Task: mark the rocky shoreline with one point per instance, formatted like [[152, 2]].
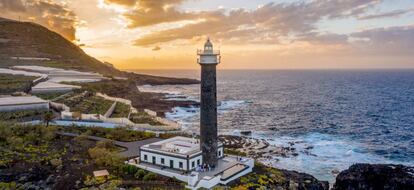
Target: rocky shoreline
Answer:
[[376, 176], [358, 176]]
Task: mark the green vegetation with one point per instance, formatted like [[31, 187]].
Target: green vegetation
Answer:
[[38, 152], [262, 177], [93, 105], [31, 144], [143, 117], [234, 152], [48, 117], [21, 115], [105, 157], [121, 110], [15, 83], [88, 103], [119, 134], [49, 96]]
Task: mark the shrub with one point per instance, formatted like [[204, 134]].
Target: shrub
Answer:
[[129, 169], [107, 144], [150, 176], [11, 185], [140, 174], [234, 152], [104, 157]]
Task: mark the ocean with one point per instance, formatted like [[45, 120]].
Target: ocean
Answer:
[[346, 116]]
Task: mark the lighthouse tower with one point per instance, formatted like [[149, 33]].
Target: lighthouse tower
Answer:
[[208, 59]]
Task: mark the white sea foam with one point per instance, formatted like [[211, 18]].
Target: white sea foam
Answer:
[[320, 154], [188, 117]]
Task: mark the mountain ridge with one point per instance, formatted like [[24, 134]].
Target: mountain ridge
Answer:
[[28, 39]]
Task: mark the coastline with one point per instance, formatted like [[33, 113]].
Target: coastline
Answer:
[[318, 154]]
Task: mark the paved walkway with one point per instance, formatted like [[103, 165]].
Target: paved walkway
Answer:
[[131, 148]]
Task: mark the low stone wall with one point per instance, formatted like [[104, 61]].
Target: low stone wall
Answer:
[[109, 112], [115, 99], [59, 107]]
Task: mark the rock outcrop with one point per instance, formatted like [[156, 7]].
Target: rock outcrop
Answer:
[[376, 177]]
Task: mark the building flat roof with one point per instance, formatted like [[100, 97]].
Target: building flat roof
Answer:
[[20, 100], [177, 145]]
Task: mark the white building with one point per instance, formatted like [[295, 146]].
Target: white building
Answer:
[[179, 153], [17, 103], [181, 158]]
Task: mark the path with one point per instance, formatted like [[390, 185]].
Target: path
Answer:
[[132, 148]]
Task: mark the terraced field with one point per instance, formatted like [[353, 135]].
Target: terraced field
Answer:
[[15, 83]]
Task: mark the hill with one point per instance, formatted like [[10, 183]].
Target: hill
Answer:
[[27, 39]]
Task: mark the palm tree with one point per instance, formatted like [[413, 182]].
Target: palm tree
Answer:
[[48, 117]]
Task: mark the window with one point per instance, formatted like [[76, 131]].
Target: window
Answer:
[[198, 162], [192, 164], [219, 153], [145, 157], [153, 159], [171, 163], [180, 164], [162, 160]]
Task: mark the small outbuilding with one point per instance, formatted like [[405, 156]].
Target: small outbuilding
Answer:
[[101, 173]]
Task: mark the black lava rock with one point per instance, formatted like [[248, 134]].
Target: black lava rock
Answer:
[[376, 177]]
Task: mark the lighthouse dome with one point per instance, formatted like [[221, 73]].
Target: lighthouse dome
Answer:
[[208, 45]]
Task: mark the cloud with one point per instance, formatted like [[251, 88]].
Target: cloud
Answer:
[[13, 5], [393, 40], [52, 15], [121, 2], [327, 39], [267, 24], [156, 48], [394, 13]]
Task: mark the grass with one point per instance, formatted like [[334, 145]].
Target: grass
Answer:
[[121, 110], [143, 117], [15, 83]]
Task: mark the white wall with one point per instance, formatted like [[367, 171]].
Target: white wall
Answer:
[[183, 178], [200, 157], [220, 152], [166, 160], [208, 59]]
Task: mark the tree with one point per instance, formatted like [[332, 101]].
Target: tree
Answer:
[[48, 117]]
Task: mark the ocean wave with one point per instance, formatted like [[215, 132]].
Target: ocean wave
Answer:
[[188, 117], [321, 155]]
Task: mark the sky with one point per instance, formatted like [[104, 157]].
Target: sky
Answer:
[[251, 34]]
